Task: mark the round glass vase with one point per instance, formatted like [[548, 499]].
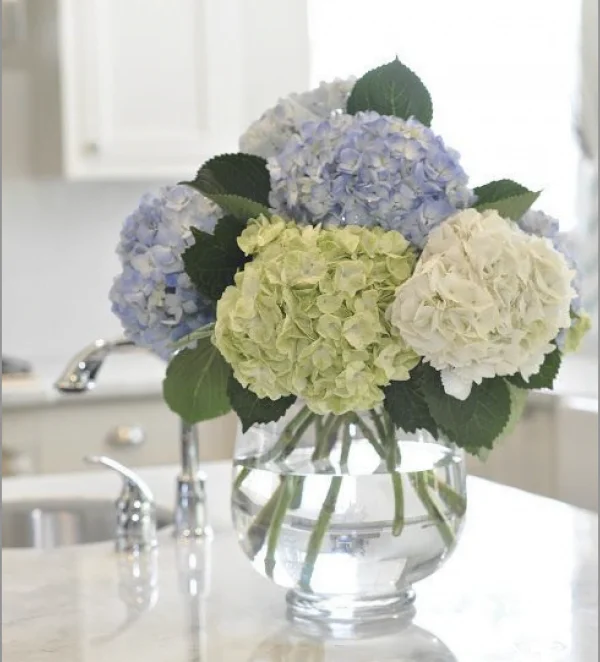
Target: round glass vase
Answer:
[[346, 511]]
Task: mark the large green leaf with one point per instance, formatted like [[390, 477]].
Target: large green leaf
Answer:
[[195, 386], [518, 402], [213, 260], [392, 89], [251, 409], [406, 404], [239, 174], [473, 423], [509, 199], [242, 208], [546, 375]]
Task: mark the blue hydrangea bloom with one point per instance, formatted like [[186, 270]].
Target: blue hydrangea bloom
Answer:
[[153, 296], [369, 169], [269, 134], [541, 224]]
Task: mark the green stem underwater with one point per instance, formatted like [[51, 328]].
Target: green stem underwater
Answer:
[[286, 495], [419, 482], [257, 531], [327, 509], [455, 502]]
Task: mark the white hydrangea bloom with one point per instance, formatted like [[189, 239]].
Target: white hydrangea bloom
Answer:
[[268, 135], [485, 299]]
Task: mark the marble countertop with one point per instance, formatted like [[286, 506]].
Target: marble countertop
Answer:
[[521, 587], [140, 374]]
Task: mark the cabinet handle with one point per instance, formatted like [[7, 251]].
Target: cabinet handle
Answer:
[[91, 148], [126, 435]]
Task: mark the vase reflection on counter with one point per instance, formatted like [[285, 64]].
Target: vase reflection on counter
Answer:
[[346, 512], [412, 643]]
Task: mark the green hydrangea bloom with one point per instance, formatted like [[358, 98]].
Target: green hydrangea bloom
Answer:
[[309, 314]]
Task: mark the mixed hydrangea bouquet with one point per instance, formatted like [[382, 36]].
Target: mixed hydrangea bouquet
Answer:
[[342, 259], [340, 274]]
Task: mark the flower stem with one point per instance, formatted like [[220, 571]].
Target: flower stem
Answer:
[[286, 438], [241, 477], [398, 488], [318, 532], [257, 531], [381, 431], [420, 481], [346, 443], [369, 436], [322, 431], [286, 495], [455, 501], [327, 509], [289, 437]]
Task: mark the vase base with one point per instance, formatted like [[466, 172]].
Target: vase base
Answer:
[[347, 616]]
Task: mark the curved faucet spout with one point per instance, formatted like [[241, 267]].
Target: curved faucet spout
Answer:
[[81, 371], [190, 517]]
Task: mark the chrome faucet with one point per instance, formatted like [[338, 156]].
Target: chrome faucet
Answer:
[[190, 511], [136, 511], [80, 374]]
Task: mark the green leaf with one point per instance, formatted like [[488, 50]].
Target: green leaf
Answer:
[[473, 423], [195, 386], [518, 402], [213, 260], [239, 174], [406, 405], [509, 199], [251, 409], [498, 190], [392, 89], [242, 208], [546, 375]]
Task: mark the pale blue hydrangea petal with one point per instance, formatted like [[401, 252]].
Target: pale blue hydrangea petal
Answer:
[[369, 170], [153, 296], [268, 135], [539, 223]]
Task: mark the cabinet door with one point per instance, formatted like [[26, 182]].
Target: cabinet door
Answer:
[[68, 432], [150, 88], [527, 458]]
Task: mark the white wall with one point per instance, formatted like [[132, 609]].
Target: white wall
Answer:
[[58, 246], [504, 97], [502, 77]]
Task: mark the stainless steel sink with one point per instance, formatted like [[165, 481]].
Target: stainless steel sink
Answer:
[[50, 523]]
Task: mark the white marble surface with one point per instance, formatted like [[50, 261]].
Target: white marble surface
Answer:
[[522, 587]]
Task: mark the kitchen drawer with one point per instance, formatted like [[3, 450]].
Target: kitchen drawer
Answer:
[[65, 433], [527, 459], [20, 438]]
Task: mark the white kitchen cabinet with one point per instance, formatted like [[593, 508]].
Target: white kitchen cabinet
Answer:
[[55, 437], [150, 89], [577, 475], [526, 459]]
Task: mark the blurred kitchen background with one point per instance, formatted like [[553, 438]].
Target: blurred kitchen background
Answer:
[[105, 99]]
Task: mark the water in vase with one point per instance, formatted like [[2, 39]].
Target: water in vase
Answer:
[[352, 526]]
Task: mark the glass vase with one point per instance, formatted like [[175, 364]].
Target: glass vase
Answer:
[[346, 511]]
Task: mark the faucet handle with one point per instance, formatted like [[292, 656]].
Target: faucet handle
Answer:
[[136, 510]]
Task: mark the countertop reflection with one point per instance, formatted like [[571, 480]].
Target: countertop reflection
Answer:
[[522, 587]]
